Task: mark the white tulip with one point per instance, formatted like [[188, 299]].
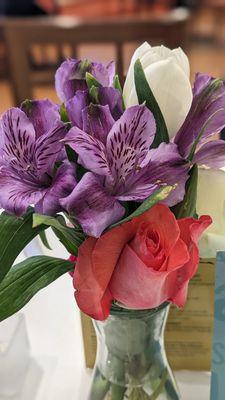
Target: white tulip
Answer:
[[211, 201], [167, 72]]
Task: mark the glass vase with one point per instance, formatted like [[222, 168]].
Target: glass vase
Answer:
[[131, 362]]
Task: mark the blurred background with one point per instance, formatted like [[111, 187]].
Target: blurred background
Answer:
[[36, 35]]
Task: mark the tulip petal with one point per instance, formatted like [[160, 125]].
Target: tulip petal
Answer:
[[138, 54], [172, 90]]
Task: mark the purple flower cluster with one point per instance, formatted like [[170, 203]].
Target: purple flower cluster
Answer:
[[112, 147]]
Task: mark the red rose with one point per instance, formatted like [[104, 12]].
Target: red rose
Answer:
[[141, 263]]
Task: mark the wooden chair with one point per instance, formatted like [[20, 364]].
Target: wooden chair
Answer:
[[22, 34], [3, 58]]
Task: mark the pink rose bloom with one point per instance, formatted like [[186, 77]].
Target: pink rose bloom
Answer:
[[141, 263]]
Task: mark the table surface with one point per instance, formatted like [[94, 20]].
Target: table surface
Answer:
[[57, 369]]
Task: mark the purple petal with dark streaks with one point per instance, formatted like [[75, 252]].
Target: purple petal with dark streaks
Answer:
[[48, 149], [206, 113], [129, 140], [43, 114], [18, 139], [62, 185], [97, 121], [169, 168], [92, 206], [157, 173], [211, 154], [91, 151], [16, 194]]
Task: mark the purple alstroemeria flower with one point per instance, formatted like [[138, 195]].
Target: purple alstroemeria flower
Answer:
[[30, 145], [70, 76], [206, 117], [95, 119], [122, 169]]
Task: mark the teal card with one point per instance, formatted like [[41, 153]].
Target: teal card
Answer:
[[218, 353]]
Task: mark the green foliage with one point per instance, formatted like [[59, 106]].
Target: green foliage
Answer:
[[71, 238], [152, 200], [63, 113], [15, 234], [44, 240], [26, 278], [145, 95], [187, 208], [117, 84], [92, 81]]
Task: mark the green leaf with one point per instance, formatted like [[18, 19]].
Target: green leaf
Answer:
[[187, 208], [155, 198], [92, 81], [117, 84], [44, 240], [93, 92], [63, 113], [117, 392], [26, 279], [145, 95], [71, 154], [15, 234], [71, 238]]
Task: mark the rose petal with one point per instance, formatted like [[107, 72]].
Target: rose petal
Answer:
[[137, 286], [191, 230], [89, 295]]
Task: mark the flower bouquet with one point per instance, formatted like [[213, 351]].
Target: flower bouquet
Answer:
[[113, 172]]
